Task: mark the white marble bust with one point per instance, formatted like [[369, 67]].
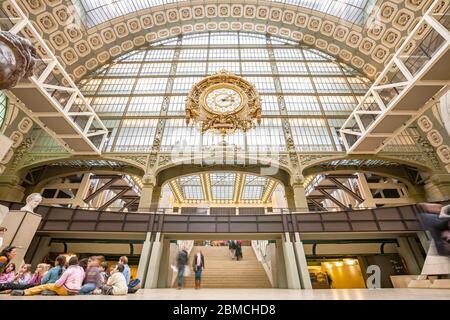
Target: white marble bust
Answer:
[[33, 200]]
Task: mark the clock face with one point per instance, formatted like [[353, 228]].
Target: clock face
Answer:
[[223, 100]]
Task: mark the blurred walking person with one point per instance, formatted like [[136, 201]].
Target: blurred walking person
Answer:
[[232, 247], [182, 261], [238, 250]]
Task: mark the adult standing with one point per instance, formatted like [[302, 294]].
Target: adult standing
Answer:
[[238, 250], [198, 264], [182, 261], [232, 248]]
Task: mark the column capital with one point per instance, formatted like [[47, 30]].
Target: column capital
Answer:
[[297, 180], [149, 179]]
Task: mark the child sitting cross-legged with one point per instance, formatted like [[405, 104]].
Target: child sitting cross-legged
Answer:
[[116, 284], [93, 278], [9, 274], [68, 284]]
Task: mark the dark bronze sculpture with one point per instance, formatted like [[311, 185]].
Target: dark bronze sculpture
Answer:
[[17, 59]]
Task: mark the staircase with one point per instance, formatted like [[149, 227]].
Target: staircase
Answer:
[[222, 272]]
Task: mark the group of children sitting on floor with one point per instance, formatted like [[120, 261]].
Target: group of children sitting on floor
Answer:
[[85, 276]]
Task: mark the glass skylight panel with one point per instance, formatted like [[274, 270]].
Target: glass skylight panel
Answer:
[[109, 105], [310, 135], [222, 185], [191, 68], [123, 69], [258, 67], [95, 12], [116, 86], [151, 85], [335, 105], [184, 84], [177, 105], [332, 85], [267, 136], [136, 135], [196, 39], [191, 187], [161, 68], [292, 67], [302, 105], [223, 54], [296, 85], [223, 38], [159, 55], [254, 54], [194, 54], [231, 66], [145, 106], [248, 38], [178, 136], [254, 187], [137, 55], [269, 105]]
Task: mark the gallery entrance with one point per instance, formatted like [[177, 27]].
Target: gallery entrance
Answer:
[[267, 261], [228, 264]]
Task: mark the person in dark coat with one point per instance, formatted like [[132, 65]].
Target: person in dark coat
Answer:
[[239, 250], [182, 261]]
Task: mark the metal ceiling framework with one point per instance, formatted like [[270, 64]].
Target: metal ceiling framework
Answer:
[[222, 187], [412, 81], [124, 187], [51, 98], [322, 187]]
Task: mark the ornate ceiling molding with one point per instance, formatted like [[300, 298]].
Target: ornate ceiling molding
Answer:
[[81, 51]]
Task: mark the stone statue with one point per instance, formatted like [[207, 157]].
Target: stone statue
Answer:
[[33, 200], [17, 59]]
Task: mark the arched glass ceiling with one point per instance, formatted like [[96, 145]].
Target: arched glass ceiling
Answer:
[[223, 187], [95, 12]]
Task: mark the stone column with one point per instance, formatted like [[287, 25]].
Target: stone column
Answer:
[[151, 281], [301, 263], [144, 258], [437, 187], [293, 280], [407, 254], [301, 204], [145, 203]]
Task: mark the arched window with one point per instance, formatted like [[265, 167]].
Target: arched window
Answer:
[[301, 88]]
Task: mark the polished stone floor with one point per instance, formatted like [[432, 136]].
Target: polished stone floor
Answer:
[[267, 294]]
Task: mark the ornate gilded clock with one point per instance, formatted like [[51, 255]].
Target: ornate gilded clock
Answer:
[[224, 103]]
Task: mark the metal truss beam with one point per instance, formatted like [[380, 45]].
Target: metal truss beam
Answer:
[[116, 197], [332, 199], [51, 98], [106, 186], [412, 81], [316, 203], [344, 188]]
